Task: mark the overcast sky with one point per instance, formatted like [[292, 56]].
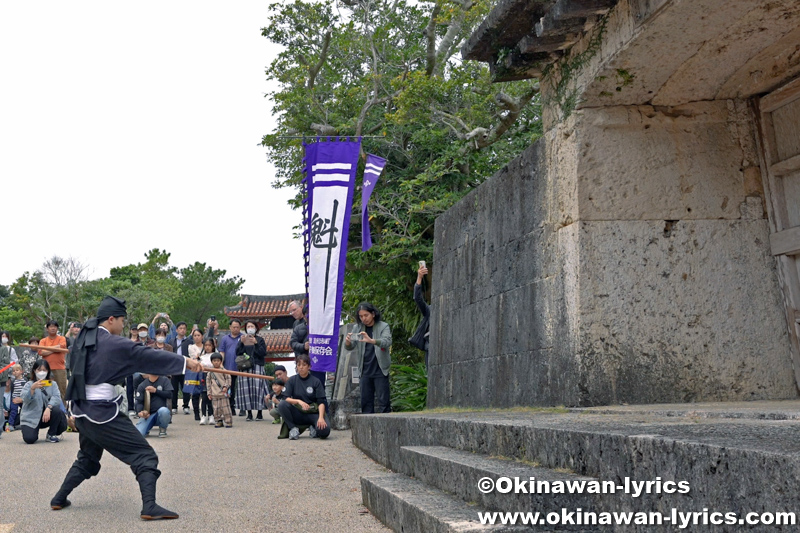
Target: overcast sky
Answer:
[[131, 126]]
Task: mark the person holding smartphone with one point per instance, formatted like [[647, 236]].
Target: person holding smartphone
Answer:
[[420, 339], [371, 339], [250, 392], [41, 405]]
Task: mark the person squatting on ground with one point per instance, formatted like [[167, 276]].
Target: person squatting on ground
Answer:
[[371, 339], [100, 360], [41, 406], [306, 402], [250, 392], [218, 387], [274, 399], [152, 397]]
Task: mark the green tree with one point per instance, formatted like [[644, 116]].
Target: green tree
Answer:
[[205, 291], [392, 68]]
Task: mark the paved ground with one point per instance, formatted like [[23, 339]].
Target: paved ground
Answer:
[[240, 479]]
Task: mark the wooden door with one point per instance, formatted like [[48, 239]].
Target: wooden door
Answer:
[[780, 146]]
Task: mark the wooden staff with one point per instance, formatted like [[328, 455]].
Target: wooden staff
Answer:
[[44, 348], [234, 373]]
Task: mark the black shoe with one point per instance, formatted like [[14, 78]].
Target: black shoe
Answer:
[[156, 512], [57, 504], [241, 412], [196, 416], [249, 418]]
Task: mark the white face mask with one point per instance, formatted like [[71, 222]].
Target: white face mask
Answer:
[[5, 340], [41, 375], [251, 331], [142, 334], [160, 340]]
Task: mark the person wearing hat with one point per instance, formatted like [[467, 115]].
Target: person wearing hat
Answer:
[[101, 359]]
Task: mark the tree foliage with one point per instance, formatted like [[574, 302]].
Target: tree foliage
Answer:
[[61, 290], [392, 68]]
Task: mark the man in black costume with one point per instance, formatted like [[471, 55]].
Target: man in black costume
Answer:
[[100, 360]]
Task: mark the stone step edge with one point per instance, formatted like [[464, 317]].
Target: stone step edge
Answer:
[[410, 506], [461, 472]]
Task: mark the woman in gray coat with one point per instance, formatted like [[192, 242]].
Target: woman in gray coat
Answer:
[[371, 339], [41, 406]]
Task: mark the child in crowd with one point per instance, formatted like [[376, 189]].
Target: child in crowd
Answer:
[[272, 400], [29, 357], [209, 348], [218, 387], [15, 386]]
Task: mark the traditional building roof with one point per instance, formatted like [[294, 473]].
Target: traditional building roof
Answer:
[[263, 307], [519, 38], [277, 340]]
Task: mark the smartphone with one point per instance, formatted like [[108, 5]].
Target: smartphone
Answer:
[[213, 318], [47, 382], [422, 264]]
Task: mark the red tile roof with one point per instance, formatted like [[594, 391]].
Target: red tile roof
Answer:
[[277, 340], [261, 307]]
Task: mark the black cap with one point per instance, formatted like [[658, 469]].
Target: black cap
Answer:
[[112, 306], [280, 367]]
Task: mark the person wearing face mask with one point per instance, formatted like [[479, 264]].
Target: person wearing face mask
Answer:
[[41, 406], [250, 392]]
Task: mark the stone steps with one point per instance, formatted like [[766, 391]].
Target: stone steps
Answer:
[[408, 505], [732, 464], [458, 473]]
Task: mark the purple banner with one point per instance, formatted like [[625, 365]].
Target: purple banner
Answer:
[[330, 178], [372, 171]]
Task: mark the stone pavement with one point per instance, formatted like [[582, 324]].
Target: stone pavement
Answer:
[[240, 479]]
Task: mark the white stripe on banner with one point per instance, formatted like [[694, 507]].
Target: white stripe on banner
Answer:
[[329, 177], [331, 166], [376, 172], [374, 167]]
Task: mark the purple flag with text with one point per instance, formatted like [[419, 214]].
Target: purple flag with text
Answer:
[[372, 171], [330, 169]]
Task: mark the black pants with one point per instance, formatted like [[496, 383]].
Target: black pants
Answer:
[[177, 385], [294, 417], [201, 404], [122, 440], [57, 425], [233, 394], [129, 392], [372, 387]]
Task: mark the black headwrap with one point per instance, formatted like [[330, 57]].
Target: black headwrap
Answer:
[[87, 342], [111, 306]]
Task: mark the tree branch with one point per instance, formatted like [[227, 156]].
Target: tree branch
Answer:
[[313, 71], [430, 34]]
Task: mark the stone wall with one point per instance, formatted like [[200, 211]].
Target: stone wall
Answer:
[[622, 258]]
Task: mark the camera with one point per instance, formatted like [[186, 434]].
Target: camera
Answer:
[[422, 264], [213, 318]]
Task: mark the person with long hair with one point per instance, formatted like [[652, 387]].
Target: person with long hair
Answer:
[[250, 392], [192, 383], [41, 405], [206, 408], [371, 339]]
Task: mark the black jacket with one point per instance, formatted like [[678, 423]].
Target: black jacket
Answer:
[[299, 337], [184, 344], [420, 338], [257, 352]]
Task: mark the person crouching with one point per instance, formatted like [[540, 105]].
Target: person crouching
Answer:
[[152, 396], [218, 386], [41, 406], [305, 403]]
